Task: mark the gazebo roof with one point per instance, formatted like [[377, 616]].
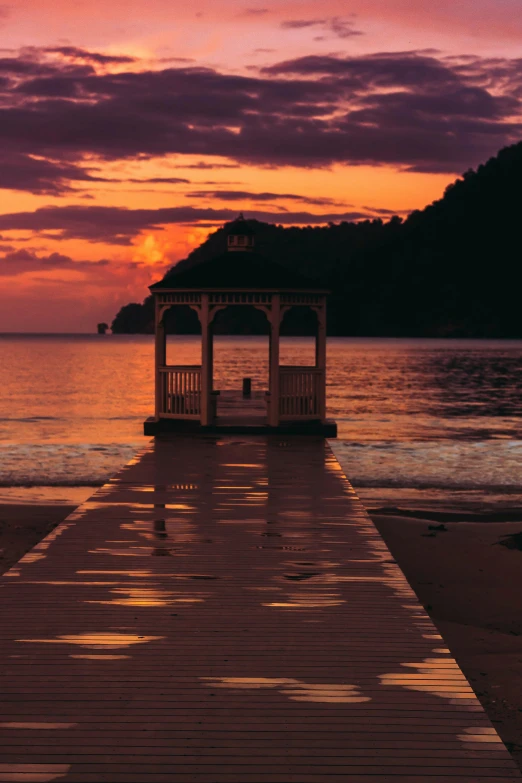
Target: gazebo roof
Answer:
[[239, 226], [241, 269]]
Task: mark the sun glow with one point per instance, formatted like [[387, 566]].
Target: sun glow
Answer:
[[196, 114], [151, 250]]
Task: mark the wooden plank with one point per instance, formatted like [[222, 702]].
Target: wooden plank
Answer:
[[224, 610]]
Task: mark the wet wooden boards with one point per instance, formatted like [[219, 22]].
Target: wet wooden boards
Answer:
[[224, 611]]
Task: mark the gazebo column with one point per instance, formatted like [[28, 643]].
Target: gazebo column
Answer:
[[320, 359], [206, 362], [160, 359], [275, 326]]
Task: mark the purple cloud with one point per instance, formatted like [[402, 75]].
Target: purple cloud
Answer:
[[414, 110], [335, 25], [383, 211], [20, 171], [299, 24], [203, 166], [18, 262], [244, 195], [75, 53], [118, 225], [158, 180]]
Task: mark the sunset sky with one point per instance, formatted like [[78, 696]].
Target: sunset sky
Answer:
[[129, 130]]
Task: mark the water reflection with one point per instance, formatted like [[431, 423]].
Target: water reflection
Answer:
[[149, 596], [36, 725], [134, 551], [477, 734], [98, 640], [393, 391], [308, 600], [101, 657], [437, 676], [114, 507], [39, 551], [177, 531], [130, 572], [295, 690], [433, 388]]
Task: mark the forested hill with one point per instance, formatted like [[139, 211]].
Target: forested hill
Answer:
[[452, 269]]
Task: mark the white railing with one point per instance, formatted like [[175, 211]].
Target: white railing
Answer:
[[301, 393], [180, 392]]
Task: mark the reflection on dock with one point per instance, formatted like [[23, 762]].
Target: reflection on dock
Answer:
[[261, 632]]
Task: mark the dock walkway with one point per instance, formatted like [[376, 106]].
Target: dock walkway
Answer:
[[224, 611]]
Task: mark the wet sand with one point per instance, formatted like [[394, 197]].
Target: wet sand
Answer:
[[470, 584], [23, 526]]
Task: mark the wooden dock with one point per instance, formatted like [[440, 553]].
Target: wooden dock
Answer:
[[224, 611]]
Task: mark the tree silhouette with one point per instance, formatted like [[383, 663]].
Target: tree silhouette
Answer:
[[450, 270]]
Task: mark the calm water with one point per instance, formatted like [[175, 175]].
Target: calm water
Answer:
[[421, 422]]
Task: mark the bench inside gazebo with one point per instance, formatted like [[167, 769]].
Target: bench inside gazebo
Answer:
[[295, 401]]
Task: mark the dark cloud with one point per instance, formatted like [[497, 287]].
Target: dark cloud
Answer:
[[18, 262], [383, 211], [175, 60], [256, 11], [414, 110], [159, 181], [117, 225], [243, 195], [415, 70], [39, 175], [31, 63], [75, 53], [342, 28], [203, 166], [335, 25], [47, 177], [203, 224], [299, 24]]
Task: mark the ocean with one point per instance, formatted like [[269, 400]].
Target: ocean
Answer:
[[422, 423]]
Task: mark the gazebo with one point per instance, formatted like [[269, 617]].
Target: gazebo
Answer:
[[185, 396]]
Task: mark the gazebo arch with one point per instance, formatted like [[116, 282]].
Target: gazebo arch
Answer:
[[185, 398]]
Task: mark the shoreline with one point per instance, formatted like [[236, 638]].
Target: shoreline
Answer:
[[22, 526], [465, 568], [468, 576]]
